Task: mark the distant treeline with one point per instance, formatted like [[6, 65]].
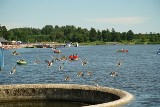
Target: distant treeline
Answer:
[[70, 33]]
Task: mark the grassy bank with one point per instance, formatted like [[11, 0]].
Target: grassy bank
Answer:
[[115, 43], [99, 43]]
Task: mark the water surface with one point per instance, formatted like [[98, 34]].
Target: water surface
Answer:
[[139, 73]]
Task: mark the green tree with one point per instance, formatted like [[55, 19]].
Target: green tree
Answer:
[[99, 36], [48, 29], [3, 31], [73, 34], [113, 33], [143, 39], [84, 33], [92, 35], [106, 35], [78, 38], [123, 36], [69, 29], [130, 35]]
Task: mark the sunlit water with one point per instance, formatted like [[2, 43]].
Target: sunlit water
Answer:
[[139, 73]]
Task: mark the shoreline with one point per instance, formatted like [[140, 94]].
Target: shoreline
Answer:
[[51, 45]]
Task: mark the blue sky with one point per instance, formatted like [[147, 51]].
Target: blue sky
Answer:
[[140, 16]]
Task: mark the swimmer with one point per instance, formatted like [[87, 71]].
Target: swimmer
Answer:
[[113, 74], [80, 74], [67, 78], [49, 63], [13, 70]]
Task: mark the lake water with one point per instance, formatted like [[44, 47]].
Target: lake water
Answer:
[[139, 73]]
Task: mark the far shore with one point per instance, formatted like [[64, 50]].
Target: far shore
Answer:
[[51, 44], [115, 43]]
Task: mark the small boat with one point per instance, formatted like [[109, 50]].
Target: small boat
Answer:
[[73, 57], [15, 53], [57, 51], [29, 46], [21, 62], [76, 45], [68, 44], [158, 52], [123, 50]]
